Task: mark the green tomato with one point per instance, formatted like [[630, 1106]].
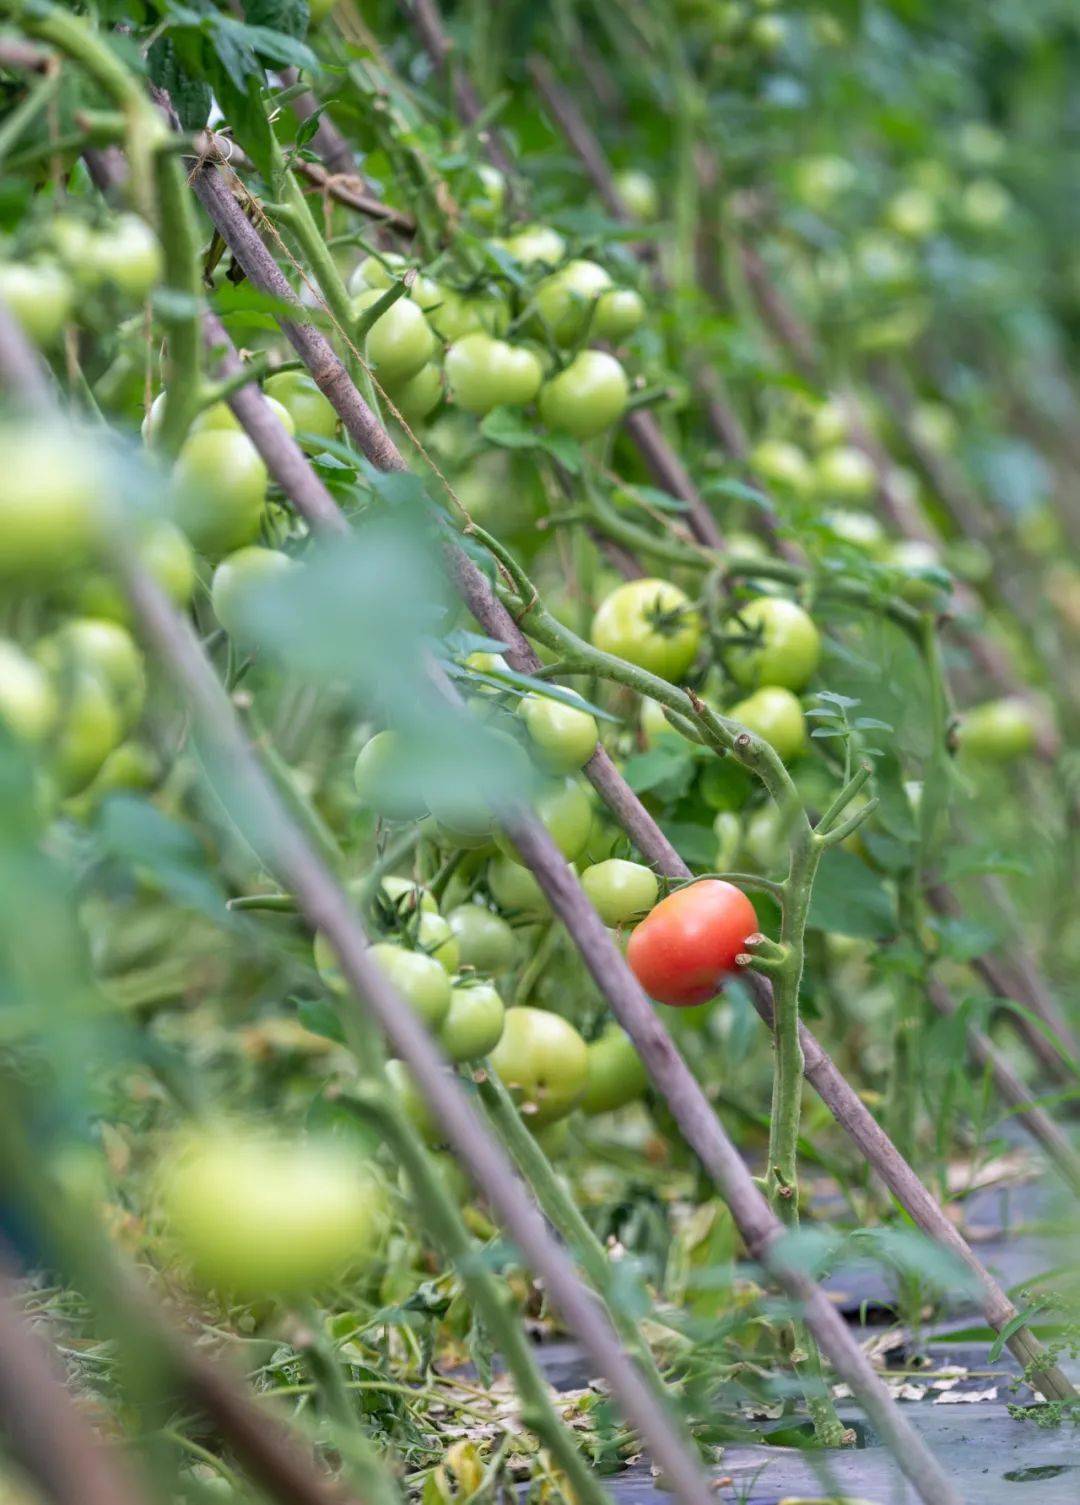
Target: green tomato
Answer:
[[405, 895], [780, 463], [912, 213], [311, 412], [50, 501], [485, 940], [998, 731], [536, 243], [564, 737], [650, 623], [566, 813], [727, 828], [486, 206], [454, 315], [789, 649], [774, 714], [763, 838], [132, 765], [28, 705], [514, 888], [566, 302], [39, 296], [434, 935], [620, 891], [820, 180], [616, 1073], [90, 727], [219, 491], [219, 415], [639, 194], [414, 1103], [128, 254], [163, 551], [587, 397], [262, 1215], [421, 980], [474, 1023], [543, 1061], [618, 313], [384, 782], [845, 473], [238, 589], [860, 529], [483, 373], [416, 398], [400, 341], [108, 650], [464, 812], [375, 271], [919, 564]]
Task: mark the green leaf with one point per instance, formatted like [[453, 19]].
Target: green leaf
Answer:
[[850, 899], [190, 95], [244, 107], [666, 761], [289, 16], [321, 1018], [510, 428]]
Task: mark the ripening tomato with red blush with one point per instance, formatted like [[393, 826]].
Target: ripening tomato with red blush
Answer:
[[685, 947]]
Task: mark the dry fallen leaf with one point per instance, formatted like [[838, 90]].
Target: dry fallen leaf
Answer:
[[965, 1397]]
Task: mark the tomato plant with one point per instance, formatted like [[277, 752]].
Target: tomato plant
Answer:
[[544, 1062]]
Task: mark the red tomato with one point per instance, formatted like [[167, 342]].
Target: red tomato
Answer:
[[682, 950]]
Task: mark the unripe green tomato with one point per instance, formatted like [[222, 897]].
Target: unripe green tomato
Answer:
[[778, 462], [618, 313], [474, 1022], [405, 895], [464, 811], [514, 888], [128, 254], [638, 193], [620, 891], [860, 529], [166, 555], [266, 1216], [416, 398], [51, 501], [650, 623], [108, 650], [454, 315], [219, 491], [400, 341], [543, 1061], [420, 979], [485, 940], [774, 714], [39, 296], [132, 765], [616, 1073], [918, 561], [763, 837], [219, 415], [434, 935], [375, 271], [845, 473], [89, 728], [587, 397], [239, 584], [564, 736], [565, 812], [414, 1103], [790, 646], [486, 206], [536, 243], [998, 731], [882, 260], [828, 424], [566, 301], [933, 424], [483, 373], [383, 781], [768, 32], [310, 411], [820, 180], [912, 213], [28, 705], [727, 828]]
